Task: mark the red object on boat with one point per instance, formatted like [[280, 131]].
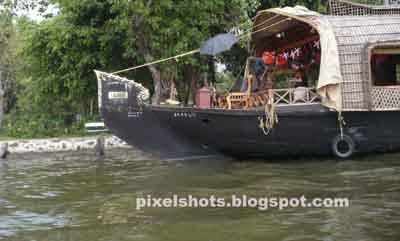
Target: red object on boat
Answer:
[[203, 98], [269, 58], [281, 60]]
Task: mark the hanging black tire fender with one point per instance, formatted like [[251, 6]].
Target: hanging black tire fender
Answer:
[[343, 146]]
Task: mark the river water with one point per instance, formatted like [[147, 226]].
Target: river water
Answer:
[[75, 196]]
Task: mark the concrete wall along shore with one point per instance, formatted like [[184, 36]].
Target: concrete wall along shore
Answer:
[[61, 144]]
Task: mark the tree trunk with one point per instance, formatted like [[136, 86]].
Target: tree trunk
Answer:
[[211, 71], [172, 91], [157, 84], [1, 98], [193, 85], [144, 49], [190, 77], [187, 81]]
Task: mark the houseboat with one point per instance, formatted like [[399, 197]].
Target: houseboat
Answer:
[[325, 85]]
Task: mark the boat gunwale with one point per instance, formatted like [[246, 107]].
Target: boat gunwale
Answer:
[[301, 108]]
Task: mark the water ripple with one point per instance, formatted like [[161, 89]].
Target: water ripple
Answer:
[[75, 196]]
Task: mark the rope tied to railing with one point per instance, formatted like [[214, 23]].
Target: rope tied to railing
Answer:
[[271, 116], [342, 123]]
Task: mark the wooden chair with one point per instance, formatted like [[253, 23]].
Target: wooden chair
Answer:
[[241, 99], [221, 101]]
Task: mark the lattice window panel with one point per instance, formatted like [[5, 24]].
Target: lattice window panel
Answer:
[[398, 74], [341, 8], [392, 2], [386, 98], [344, 8]]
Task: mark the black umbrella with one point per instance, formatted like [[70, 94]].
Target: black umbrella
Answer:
[[218, 44]]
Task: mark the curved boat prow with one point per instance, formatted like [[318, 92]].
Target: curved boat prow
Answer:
[[124, 106]]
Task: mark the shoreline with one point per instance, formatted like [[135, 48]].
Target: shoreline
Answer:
[[62, 144]]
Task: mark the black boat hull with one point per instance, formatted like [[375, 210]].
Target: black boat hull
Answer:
[[179, 132]]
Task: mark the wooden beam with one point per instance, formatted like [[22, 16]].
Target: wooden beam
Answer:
[[386, 51]]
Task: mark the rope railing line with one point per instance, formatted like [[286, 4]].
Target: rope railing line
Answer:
[[242, 24], [198, 50], [158, 61], [180, 55], [233, 29], [263, 29], [260, 24]]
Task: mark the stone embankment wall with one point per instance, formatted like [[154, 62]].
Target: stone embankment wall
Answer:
[[61, 144]]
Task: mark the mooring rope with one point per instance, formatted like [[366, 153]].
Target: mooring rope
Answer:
[[271, 118], [342, 123]]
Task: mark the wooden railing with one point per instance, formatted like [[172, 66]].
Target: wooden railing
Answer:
[[290, 96], [296, 95]]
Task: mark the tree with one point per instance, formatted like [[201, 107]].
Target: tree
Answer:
[[166, 28], [112, 35], [14, 6], [8, 46], [7, 37]]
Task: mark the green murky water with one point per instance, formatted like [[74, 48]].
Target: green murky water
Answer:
[[76, 197]]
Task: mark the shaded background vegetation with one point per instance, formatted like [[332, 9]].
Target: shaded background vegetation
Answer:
[[46, 67]]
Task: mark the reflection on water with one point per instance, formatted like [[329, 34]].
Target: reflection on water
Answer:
[[76, 197]]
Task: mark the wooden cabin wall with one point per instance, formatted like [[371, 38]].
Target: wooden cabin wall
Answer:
[[353, 34]]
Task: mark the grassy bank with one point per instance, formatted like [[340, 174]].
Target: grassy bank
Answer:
[[42, 126]]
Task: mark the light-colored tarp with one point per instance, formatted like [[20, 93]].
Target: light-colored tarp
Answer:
[[330, 77]]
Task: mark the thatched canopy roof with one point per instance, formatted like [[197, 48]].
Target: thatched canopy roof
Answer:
[[344, 42], [270, 22]]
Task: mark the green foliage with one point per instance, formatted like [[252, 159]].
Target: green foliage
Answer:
[[56, 57], [88, 35], [224, 81], [21, 125], [316, 5], [172, 27], [8, 44], [11, 8], [61, 53]]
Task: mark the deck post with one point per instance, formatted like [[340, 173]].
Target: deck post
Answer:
[[4, 150], [100, 146], [271, 97]]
